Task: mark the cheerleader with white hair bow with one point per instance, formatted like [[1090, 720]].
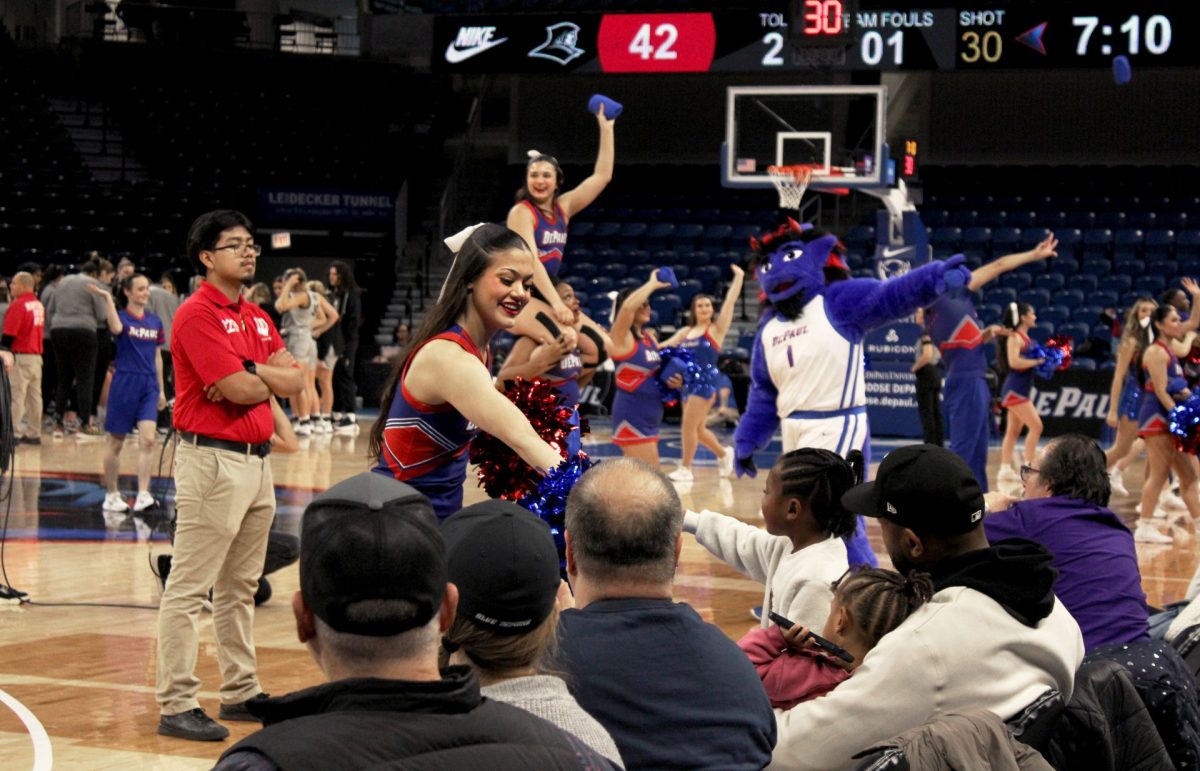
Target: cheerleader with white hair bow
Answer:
[[1017, 368], [540, 216], [440, 391]]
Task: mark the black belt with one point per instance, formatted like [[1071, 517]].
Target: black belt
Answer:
[[262, 449]]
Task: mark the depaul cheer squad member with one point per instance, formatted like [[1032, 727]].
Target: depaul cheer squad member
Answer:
[[229, 360], [441, 389]]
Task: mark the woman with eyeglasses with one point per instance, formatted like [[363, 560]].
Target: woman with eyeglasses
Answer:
[[1164, 386], [303, 310], [540, 216]]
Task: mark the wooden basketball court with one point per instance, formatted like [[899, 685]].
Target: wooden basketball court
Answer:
[[78, 673]]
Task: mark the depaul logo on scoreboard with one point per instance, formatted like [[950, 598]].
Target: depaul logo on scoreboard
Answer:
[[471, 41]]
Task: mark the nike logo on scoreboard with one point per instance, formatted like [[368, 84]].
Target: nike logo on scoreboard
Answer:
[[471, 41]]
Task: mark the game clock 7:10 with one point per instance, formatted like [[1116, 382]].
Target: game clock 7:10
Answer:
[[1151, 34]]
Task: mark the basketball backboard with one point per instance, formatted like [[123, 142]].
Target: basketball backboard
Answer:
[[838, 129]]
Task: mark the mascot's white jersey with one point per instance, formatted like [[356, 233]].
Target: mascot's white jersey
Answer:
[[813, 367]]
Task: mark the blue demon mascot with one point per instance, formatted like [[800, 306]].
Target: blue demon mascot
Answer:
[[806, 371]]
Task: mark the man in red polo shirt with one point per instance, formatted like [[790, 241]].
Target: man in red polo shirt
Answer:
[[24, 325], [229, 360]]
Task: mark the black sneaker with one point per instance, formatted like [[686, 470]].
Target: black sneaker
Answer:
[[264, 591], [239, 711], [30, 440], [194, 725]]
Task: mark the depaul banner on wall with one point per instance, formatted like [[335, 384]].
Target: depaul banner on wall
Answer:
[[325, 206], [1073, 401]]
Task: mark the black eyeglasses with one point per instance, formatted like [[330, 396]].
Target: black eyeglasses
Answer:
[[1027, 470], [238, 248]]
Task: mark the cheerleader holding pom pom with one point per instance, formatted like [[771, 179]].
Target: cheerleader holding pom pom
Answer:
[[441, 389]]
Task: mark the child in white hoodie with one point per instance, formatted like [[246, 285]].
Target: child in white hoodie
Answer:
[[801, 552]]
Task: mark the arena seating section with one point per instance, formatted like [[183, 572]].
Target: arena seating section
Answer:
[[209, 130]]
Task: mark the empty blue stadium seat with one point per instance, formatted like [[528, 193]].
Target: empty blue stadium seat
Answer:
[[1022, 219], [682, 271], [687, 236], [1110, 219], [1042, 332], [1033, 235], [1106, 297], [1100, 267], [1087, 314], [1158, 244], [1038, 296], [716, 237], [1146, 220], [1128, 299], [1101, 332], [631, 234], [992, 218], [1164, 268], [1069, 240], [580, 231], [1016, 280], [658, 235], [605, 235], [1085, 283], [979, 238], [1064, 266], [600, 284], [1068, 297], [629, 282], [582, 270], [947, 239], [614, 270], [1053, 219], [694, 259], [638, 258], [861, 237], [1187, 245], [1132, 268], [1053, 314], [1096, 243], [1082, 362], [667, 306], [708, 276], [999, 296], [1116, 283], [963, 218], [1149, 284], [689, 289], [1084, 220], [935, 218], [1175, 220], [741, 235], [1074, 330], [1005, 240], [1052, 282], [1127, 244], [988, 313]]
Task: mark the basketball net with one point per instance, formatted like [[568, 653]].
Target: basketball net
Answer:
[[790, 182]]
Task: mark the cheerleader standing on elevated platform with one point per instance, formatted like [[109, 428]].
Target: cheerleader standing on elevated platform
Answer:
[[441, 390]]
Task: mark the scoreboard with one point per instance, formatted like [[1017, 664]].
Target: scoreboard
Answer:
[[839, 35]]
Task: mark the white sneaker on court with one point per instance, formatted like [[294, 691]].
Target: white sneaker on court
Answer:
[[681, 474], [1146, 532], [1008, 480], [1171, 500], [114, 502], [144, 501], [1116, 480], [726, 462]]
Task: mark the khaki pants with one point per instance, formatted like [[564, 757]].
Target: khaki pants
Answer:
[[225, 503], [27, 395]]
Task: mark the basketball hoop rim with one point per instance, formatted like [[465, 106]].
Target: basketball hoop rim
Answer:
[[800, 172]]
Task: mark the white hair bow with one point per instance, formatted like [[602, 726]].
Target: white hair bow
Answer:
[[456, 241], [533, 153]]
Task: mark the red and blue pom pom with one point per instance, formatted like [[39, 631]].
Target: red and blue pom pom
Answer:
[[698, 377], [503, 474], [1184, 423], [1057, 355]]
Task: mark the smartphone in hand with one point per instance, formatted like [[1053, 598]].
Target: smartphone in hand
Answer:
[[818, 640]]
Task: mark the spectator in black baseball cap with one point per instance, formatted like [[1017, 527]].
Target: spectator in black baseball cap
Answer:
[[993, 636], [505, 564], [372, 605]]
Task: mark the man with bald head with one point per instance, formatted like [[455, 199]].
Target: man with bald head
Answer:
[[21, 338], [673, 691]]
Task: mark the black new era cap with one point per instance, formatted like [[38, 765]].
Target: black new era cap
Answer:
[[372, 538], [923, 487]]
